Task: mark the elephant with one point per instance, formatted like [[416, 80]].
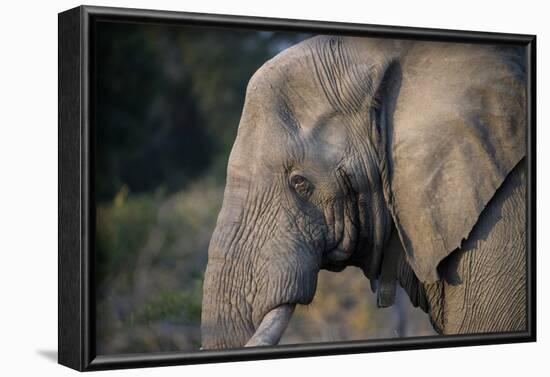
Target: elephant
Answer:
[[405, 159]]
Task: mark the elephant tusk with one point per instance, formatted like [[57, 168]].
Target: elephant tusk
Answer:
[[272, 327]]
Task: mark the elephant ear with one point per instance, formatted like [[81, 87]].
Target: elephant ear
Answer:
[[455, 129]]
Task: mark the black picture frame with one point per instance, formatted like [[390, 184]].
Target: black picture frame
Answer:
[[76, 188]]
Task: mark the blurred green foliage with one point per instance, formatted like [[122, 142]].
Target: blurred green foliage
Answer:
[[122, 227], [151, 252], [171, 306]]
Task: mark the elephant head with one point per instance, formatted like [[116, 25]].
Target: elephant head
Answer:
[[342, 140]]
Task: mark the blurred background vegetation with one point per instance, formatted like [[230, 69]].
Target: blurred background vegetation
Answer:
[[168, 102]]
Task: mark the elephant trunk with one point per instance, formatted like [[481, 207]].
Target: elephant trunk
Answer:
[[226, 314], [243, 306], [257, 272]]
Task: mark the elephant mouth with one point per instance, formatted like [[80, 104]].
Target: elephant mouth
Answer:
[[272, 326], [334, 266]]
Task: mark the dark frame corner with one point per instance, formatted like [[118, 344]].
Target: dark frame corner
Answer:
[[76, 208]]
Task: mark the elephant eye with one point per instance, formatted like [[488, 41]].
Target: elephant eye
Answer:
[[301, 185]]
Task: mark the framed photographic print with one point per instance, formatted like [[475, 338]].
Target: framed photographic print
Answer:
[[239, 188]]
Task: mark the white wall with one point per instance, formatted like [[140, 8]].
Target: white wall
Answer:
[[28, 171]]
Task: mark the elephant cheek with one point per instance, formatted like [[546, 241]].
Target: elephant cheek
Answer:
[[344, 220]]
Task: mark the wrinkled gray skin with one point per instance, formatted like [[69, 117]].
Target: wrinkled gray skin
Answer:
[[403, 159]]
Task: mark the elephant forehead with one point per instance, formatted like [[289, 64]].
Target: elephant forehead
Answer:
[[316, 74], [290, 81]]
